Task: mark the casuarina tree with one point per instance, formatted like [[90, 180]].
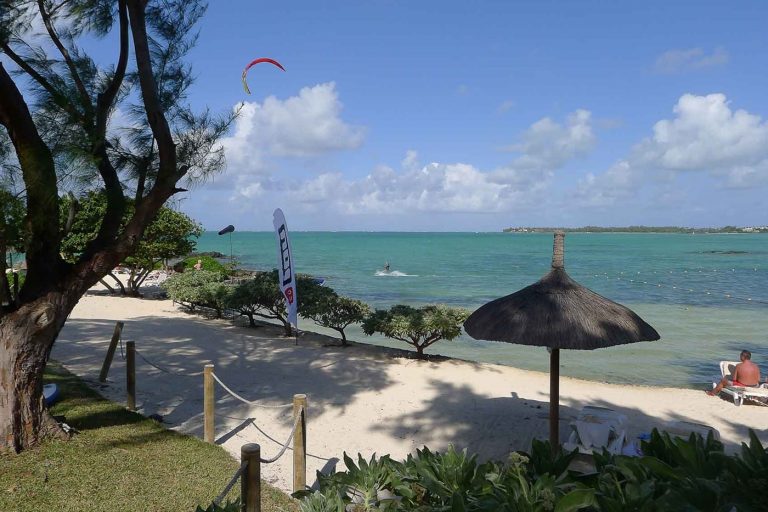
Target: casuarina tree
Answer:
[[62, 111]]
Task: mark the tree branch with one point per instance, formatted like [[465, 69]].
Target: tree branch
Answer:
[[167, 174], [40, 79], [85, 98], [106, 98], [39, 173]]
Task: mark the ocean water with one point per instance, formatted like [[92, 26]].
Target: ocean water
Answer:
[[706, 295]]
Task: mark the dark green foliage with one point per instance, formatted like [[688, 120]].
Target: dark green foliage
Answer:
[[674, 475], [171, 234], [198, 288], [261, 297], [334, 311], [420, 327], [206, 262]]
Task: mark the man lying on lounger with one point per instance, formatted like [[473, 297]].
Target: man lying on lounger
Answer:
[[746, 374]]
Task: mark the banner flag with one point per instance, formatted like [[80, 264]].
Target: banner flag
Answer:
[[285, 271]]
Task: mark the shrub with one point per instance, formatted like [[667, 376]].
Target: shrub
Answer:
[[207, 263], [420, 327], [675, 474], [336, 312], [260, 296], [193, 288]]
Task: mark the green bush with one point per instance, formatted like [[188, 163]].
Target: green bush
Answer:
[[207, 263], [334, 311], [419, 327], [261, 297], [674, 474], [195, 288]]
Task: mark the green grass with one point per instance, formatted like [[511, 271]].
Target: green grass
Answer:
[[120, 461]]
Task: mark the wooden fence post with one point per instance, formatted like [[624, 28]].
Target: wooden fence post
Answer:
[[300, 443], [250, 481], [208, 404], [130, 366], [111, 351]]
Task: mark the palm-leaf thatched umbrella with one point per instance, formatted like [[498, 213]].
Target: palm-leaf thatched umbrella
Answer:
[[559, 313]]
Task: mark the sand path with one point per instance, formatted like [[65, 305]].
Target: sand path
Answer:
[[361, 399]]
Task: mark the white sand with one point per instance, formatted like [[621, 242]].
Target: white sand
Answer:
[[361, 399]]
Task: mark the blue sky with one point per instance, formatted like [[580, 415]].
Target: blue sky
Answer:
[[474, 116]]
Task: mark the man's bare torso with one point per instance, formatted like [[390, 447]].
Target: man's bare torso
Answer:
[[747, 373]]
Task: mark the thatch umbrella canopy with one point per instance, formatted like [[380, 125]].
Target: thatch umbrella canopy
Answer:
[[558, 313]]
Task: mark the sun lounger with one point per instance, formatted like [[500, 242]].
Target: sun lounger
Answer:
[[596, 428], [757, 394]]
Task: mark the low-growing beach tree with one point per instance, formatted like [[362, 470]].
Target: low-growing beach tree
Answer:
[[420, 327], [170, 235], [62, 111], [261, 297], [338, 312]]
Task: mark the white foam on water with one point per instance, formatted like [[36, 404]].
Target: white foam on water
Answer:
[[393, 273]]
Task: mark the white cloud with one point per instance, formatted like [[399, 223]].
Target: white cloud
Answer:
[[506, 105], [547, 146], [411, 160], [433, 188], [460, 187], [679, 61], [306, 125], [441, 187], [705, 136]]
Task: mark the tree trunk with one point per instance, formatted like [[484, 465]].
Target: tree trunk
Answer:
[[26, 340], [343, 337], [420, 351]]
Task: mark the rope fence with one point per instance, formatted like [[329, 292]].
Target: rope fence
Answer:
[[250, 470], [249, 474], [297, 435], [232, 482], [249, 402]]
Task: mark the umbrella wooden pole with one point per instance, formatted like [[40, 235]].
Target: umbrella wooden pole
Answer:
[[554, 398]]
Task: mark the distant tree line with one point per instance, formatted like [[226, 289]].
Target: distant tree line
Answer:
[[640, 229]]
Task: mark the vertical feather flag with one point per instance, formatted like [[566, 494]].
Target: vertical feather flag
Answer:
[[285, 268]]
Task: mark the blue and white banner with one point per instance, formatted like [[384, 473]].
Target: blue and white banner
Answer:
[[285, 267]]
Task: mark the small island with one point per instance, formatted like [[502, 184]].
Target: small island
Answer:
[[641, 229]]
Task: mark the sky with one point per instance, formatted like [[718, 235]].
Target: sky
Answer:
[[420, 115]]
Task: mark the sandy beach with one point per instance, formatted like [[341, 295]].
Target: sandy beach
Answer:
[[361, 398]]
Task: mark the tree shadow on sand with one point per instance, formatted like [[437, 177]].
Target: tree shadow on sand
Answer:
[[493, 427]]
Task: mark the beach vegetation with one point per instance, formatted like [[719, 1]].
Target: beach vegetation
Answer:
[[58, 108], [336, 312], [118, 460], [170, 235], [206, 263], [260, 296], [419, 327], [198, 288], [673, 474]]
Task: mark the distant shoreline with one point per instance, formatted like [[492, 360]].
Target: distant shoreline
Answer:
[[644, 229]]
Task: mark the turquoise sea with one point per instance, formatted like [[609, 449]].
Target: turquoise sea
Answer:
[[707, 295]]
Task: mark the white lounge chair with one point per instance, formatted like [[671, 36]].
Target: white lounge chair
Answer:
[[596, 428], [754, 394]]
